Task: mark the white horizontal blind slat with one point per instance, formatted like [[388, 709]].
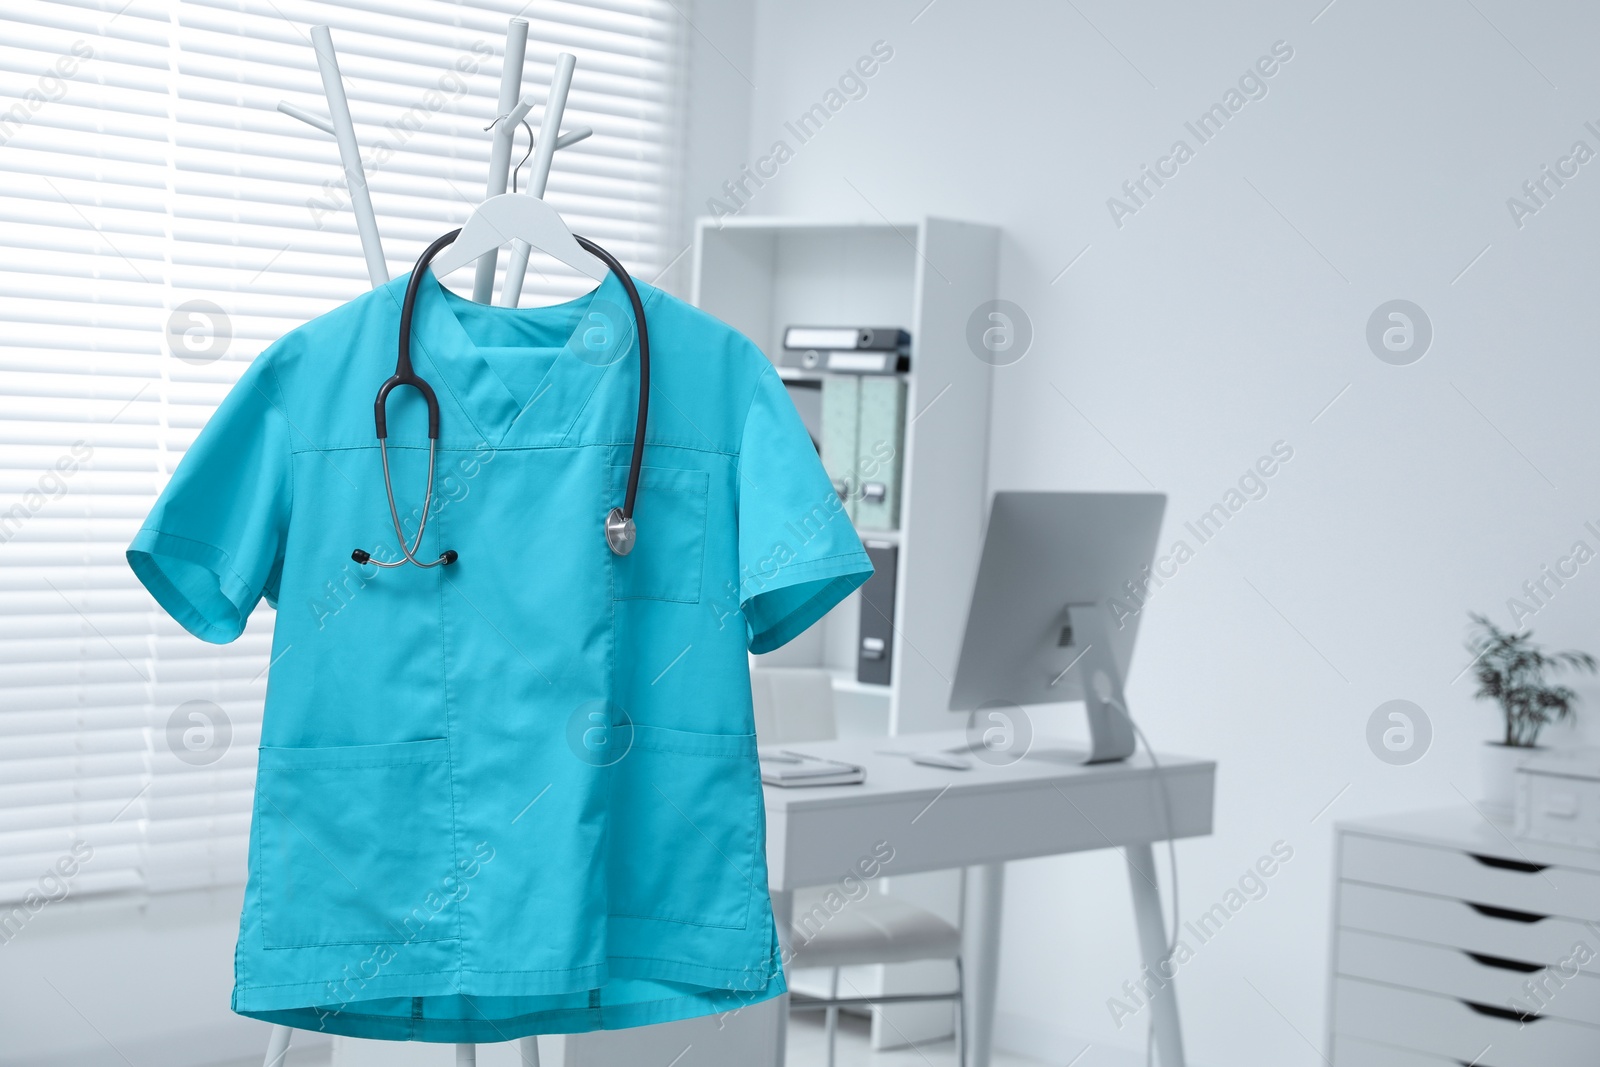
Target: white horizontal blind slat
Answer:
[[84, 119], [143, 167]]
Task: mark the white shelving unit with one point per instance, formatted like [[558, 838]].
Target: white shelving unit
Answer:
[[760, 275]]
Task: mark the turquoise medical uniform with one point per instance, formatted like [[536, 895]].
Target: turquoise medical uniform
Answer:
[[517, 794]]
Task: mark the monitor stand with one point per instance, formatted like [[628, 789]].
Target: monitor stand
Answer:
[[1110, 730], [1111, 735]]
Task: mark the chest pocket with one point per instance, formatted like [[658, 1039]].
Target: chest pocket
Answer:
[[668, 558]]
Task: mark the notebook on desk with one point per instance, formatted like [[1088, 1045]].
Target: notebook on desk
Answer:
[[795, 769]]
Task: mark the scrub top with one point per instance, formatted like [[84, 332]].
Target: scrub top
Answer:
[[517, 794]]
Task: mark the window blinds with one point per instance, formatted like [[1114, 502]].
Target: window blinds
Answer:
[[163, 223]]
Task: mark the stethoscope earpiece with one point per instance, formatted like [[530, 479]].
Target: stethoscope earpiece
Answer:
[[620, 531]]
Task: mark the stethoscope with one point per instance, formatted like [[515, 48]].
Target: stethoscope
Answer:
[[619, 528]]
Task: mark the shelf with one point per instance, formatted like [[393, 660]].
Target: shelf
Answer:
[[796, 374], [761, 275], [844, 681], [892, 536], [782, 223]]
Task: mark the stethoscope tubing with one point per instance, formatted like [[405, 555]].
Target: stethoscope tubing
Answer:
[[449, 555], [636, 461], [619, 522]]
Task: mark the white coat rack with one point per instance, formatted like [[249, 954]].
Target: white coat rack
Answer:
[[511, 112]]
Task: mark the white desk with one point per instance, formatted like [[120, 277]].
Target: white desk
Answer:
[[937, 819]]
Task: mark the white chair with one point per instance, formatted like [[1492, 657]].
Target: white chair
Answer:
[[794, 705]]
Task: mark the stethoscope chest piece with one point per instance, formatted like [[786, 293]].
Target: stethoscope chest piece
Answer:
[[620, 532]]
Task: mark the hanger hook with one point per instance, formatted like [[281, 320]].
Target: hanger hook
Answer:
[[525, 156]]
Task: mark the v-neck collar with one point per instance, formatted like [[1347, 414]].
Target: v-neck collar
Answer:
[[602, 334]]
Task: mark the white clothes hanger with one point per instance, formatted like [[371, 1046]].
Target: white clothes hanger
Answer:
[[549, 140], [522, 218], [525, 219]]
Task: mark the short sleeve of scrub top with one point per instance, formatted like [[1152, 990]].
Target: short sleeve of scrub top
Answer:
[[213, 545], [798, 552]]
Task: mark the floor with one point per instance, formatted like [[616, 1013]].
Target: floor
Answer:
[[807, 1047]]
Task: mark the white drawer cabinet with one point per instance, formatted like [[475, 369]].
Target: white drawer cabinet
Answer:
[[1372, 1054], [1472, 977], [1507, 881], [1467, 925], [1455, 943], [1455, 1030]]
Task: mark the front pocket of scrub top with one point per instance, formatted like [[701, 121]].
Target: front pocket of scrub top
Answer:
[[670, 517], [685, 813], [354, 845]]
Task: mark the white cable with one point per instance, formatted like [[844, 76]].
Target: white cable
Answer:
[[1172, 862]]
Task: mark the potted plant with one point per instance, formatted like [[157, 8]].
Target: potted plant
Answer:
[[1511, 671]]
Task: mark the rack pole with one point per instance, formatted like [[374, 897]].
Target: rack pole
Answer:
[[315, 121], [355, 177], [549, 133], [500, 145]]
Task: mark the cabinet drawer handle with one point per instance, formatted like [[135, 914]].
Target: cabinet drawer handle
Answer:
[[1509, 914], [1504, 964], [1501, 864], [1495, 1012]]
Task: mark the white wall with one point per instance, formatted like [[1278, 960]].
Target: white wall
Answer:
[[1221, 318], [716, 95]]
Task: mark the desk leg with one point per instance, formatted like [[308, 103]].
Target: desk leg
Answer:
[[782, 916], [1153, 948], [981, 957]]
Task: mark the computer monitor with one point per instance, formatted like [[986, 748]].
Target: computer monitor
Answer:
[[1056, 607]]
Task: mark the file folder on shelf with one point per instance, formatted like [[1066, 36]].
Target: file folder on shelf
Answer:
[[841, 411], [846, 349], [863, 433], [822, 360], [880, 433], [847, 338], [875, 656]]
